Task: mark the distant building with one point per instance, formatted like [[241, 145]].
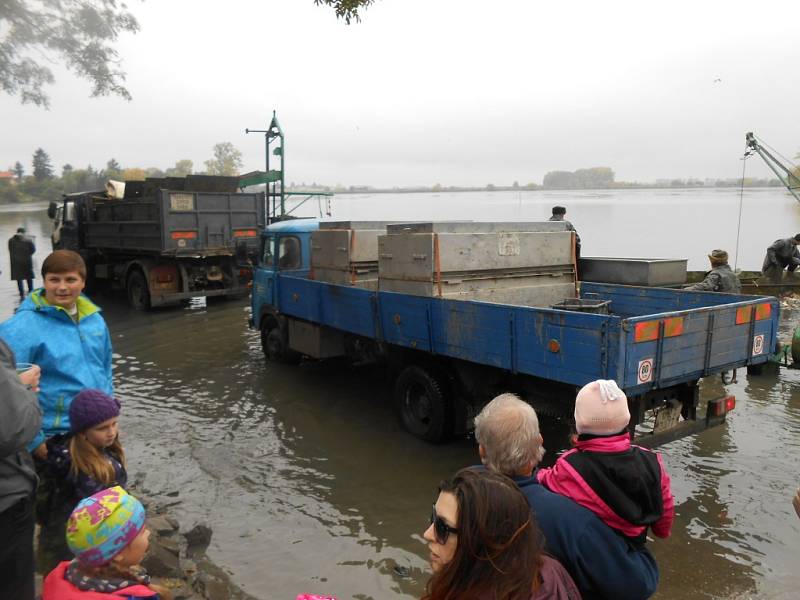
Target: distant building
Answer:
[[8, 176]]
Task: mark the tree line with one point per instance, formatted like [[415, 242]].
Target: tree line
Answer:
[[44, 183]]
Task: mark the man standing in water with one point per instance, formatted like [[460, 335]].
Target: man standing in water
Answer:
[[720, 278], [559, 212], [20, 255], [782, 254]]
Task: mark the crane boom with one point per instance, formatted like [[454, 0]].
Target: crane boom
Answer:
[[787, 177]]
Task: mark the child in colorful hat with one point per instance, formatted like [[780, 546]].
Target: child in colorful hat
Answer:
[[625, 485], [107, 535]]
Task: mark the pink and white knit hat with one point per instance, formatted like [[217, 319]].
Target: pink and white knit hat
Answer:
[[601, 408]]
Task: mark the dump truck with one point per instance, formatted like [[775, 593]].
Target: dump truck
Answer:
[[164, 240], [461, 312]]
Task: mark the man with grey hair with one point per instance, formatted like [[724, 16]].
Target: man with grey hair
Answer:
[[601, 563]]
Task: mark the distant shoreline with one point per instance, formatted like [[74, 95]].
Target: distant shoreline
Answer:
[[422, 190]]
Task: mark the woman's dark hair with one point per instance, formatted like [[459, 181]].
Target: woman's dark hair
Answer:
[[499, 548], [64, 261]]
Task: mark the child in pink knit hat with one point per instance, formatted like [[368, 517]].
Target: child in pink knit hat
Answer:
[[625, 485]]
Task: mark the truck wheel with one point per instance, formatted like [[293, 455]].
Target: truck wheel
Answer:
[[138, 291], [423, 404], [275, 347]]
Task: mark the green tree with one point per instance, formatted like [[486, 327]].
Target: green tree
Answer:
[[227, 160], [18, 170], [42, 169], [346, 9], [113, 170], [182, 168], [66, 171], [153, 172], [77, 33]]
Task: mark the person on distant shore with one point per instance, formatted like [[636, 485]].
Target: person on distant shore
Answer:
[[484, 544], [20, 254], [87, 460], [720, 278], [20, 418], [782, 254], [107, 534], [626, 486], [559, 214], [602, 563]]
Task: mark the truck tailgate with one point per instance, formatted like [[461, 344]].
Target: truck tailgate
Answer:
[[704, 333]]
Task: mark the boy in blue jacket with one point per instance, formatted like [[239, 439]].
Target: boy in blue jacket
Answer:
[[62, 331]]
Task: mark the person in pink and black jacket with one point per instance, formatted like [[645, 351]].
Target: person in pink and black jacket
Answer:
[[625, 485]]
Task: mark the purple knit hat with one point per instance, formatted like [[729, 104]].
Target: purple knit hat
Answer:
[[91, 407]]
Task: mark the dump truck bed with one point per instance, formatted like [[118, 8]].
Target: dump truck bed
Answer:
[[176, 222]]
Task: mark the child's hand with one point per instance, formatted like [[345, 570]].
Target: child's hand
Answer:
[[796, 502], [31, 377], [41, 451]]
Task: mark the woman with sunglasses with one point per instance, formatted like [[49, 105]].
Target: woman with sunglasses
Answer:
[[485, 545]]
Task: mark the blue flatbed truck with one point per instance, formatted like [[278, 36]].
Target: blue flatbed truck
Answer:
[[450, 357]]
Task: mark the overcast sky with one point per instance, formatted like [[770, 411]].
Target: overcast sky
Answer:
[[457, 92]]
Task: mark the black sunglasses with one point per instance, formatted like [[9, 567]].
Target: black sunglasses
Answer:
[[440, 529]]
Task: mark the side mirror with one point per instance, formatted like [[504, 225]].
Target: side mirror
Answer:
[[51, 210]]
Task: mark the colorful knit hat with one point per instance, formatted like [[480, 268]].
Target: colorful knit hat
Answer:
[[91, 407], [601, 408], [102, 525]]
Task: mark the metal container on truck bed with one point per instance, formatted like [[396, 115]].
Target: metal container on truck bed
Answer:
[[176, 222], [645, 272], [346, 252], [521, 263]]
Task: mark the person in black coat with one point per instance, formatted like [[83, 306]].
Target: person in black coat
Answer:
[[20, 254]]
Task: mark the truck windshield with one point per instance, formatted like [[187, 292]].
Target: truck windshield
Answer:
[[289, 253], [266, 252]]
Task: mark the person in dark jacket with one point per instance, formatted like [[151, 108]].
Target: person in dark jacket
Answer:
[[602, 563], [484, 544], [558, 214], [782, 254], [20, 254], [20, 418], [720, 278]]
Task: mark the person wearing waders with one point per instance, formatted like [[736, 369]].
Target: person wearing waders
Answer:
[[559, 212], [782, 254], [20, 255], [720, 278]]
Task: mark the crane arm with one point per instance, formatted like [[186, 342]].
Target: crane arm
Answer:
[[787, 177]]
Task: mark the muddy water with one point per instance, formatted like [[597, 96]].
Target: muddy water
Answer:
[[309, 483]]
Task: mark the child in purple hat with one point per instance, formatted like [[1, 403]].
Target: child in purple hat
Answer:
[[81, 463]]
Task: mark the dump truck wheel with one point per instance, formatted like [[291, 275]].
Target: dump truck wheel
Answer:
[[423, 404], [138, 292], [275, 347]]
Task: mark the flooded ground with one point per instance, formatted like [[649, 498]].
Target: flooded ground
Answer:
[[309, 483]]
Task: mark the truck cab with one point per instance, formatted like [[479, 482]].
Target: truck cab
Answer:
[[285, 247], [67, 216]]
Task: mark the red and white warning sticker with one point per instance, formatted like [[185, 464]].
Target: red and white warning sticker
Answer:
[[758, 344], [645, 372]]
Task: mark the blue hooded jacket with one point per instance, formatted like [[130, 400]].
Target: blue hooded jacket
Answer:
[[73, 356], [602, 563]]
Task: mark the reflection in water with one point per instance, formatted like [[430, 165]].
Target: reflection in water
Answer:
[[310, 484]]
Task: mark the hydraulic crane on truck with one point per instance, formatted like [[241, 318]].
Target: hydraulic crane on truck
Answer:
[[273, 179], [788, 177]]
